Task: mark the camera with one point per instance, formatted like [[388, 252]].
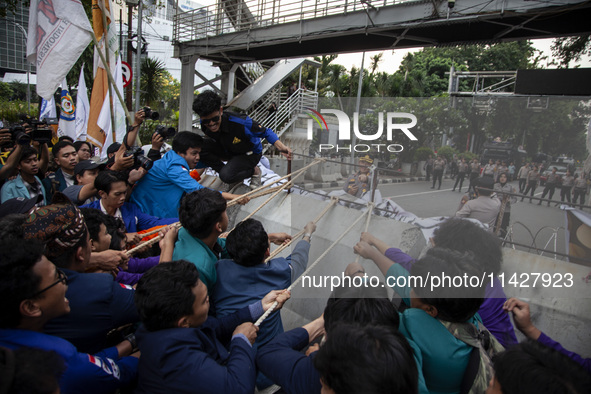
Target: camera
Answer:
[[151, 114], [165, 132], [139, 159], [19, 136]]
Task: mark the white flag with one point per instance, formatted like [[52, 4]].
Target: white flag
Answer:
[[47, 109], [82, 108], [59, 31], [104, 123], [67, 122]]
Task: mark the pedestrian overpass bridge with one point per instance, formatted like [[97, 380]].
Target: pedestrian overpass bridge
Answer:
[[237, 31]]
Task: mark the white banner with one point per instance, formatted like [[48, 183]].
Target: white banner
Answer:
[[82, 108], [59, 31]]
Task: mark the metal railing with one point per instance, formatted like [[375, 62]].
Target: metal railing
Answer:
[[238, 15], [288, 109]]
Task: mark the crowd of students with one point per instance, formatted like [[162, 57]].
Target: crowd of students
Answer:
[[80, 314]]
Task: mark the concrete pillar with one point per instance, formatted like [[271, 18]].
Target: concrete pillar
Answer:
[[186, 97], [225, 82]]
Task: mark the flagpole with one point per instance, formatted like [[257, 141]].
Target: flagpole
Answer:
[[108, 65], [112, 80]]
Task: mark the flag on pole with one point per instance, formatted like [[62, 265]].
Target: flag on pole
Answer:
[[105, 126], [82, 108], [100, 87], [47, 109], [59, 31], [104, 119], [67, 122]]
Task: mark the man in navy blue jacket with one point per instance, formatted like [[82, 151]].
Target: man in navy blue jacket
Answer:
[[33, 291], [98, 303], [183, 349], [232, 137]]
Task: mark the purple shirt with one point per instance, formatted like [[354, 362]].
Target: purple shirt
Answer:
[[135, 269], [547, 341], [494, 318]]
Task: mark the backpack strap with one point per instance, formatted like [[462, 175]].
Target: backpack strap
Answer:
[[479, 370]]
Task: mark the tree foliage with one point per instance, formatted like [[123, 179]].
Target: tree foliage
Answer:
[[568, 49]]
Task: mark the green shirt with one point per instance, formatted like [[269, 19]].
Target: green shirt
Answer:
[[194, 250]]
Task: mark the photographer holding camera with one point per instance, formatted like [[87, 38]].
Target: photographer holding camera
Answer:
[[15, 138]]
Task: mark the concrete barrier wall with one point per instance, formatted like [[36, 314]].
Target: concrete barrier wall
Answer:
[[562, 313], [290, 213]]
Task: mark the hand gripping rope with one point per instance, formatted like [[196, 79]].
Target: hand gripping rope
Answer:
[[272, 308]]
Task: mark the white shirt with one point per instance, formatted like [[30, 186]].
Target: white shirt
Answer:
[[117, 212]]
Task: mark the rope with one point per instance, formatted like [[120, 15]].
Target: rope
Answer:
[[250, 193], [152, 241], [287, 185], [272, 308], [301, 232], [278, 189], [369, 212]]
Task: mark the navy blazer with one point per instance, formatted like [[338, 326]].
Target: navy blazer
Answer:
[[98, 304], [195, 360]]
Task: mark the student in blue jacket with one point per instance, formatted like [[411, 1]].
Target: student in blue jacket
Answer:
[[183, 349], [160, 191], [33, 291], [112, 189]]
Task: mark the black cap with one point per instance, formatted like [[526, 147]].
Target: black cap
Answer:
[[114, 147], [85, 165], [17, 205], [486, 182]]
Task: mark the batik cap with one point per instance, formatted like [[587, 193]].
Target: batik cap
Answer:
[[60, 226]]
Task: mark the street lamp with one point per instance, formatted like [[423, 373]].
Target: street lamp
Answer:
[[26, 37]]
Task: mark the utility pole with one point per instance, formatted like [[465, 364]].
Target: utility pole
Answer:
[[129, 90], [357, 106], [138, 55]]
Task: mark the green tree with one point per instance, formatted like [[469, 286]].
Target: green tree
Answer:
[[151, 80], [568, 49]]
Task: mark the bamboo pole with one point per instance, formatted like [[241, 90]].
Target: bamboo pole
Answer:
[[295, 282], [112, 80], [232, 202], [301, 232], [275, 190], [101, 4], [369, 212]]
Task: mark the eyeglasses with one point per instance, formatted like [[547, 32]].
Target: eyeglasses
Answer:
[[215, 119], [61, 278]]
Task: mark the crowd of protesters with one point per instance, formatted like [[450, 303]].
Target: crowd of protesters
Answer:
[[81, 314]]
